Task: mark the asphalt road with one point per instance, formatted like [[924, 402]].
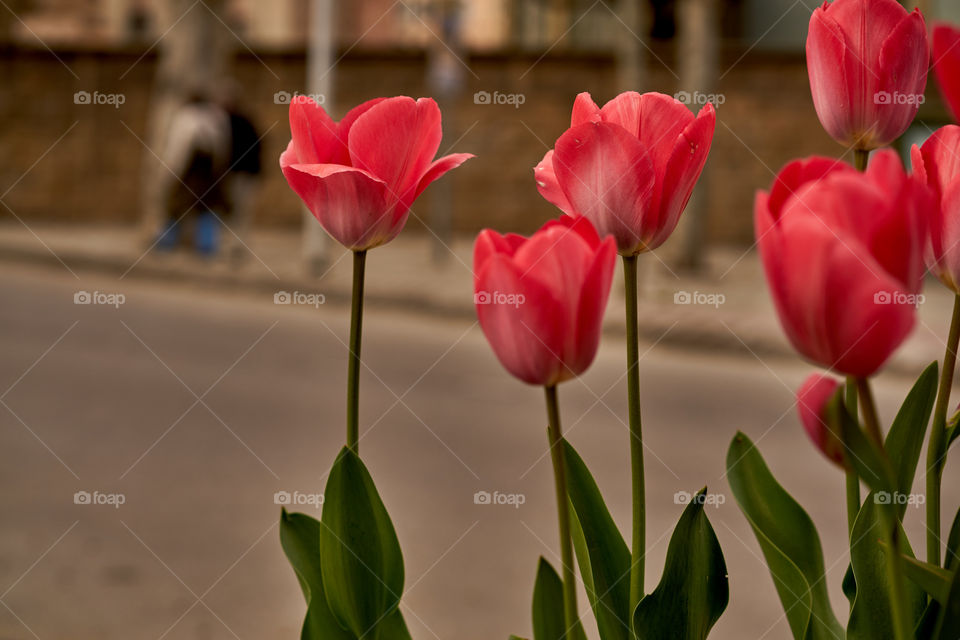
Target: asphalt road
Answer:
[[194, 407]]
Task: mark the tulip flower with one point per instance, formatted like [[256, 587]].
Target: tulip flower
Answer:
[[816, 401], [867, 61], [540, 300], [843, 255], [946, 64], [937, 164], [629, 167], [359, 176]]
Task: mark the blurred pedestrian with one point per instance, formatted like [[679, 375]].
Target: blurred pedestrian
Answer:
[[197, 155], [243, 174]]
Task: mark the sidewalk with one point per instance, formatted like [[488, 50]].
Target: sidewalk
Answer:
[[725, 308]]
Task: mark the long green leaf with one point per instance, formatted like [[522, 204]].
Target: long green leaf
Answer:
[[300, 539], [548, 619], [788, 540], [948, 623], [361, 562], [693, 592], [870, 614], [905, 439], [603, 556]]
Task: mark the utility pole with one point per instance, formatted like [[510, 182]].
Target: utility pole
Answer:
[[320, 45]]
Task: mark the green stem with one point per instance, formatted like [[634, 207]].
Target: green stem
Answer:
[[353, 368], [860, 158], [636, 434], [570, 615], [936, 451], [890, 524], [853, 482]]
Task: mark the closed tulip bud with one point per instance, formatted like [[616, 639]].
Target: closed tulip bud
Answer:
[[946, 64], [843, 255], [540, 300], [629, 167], [359, 177], [867, 61], [937, 164], [818, 403]]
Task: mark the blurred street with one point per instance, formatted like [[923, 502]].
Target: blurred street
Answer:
[[193, 407]]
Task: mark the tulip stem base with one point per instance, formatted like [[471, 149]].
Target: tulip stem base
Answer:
[[861, 157], [936, 451], [889, 523], [555, 434], [353, 367], [639, 540]]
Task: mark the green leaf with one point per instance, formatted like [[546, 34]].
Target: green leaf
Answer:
[[693, 592], [548, 619], [932, 579], [870, 613], [300, 539], [862, 453], [905, 439], [788, 540], [603, 556], [948, 624], [952, 559], [512, 637], [361, 562], [393, 627]]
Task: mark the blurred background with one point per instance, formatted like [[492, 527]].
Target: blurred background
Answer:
[[166, 387]]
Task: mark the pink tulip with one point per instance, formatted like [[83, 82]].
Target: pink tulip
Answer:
[[629, 167], [843, 255], [937, 165], [813, 404], [540, 300], [867, 61], [359, 176], [946, 64]]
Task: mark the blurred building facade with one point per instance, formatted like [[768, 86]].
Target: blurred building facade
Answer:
[[543, 50]]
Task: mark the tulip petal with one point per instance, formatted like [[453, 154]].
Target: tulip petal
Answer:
[[439, 167], [584, 110], [314, 132], [350, 204], [607, 176], [946, 64], [829, 84], [682, 170], [548, 186], [796, 174], [595, 292], [396, 140], [527, 337], [904, 57], [490, 243]]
